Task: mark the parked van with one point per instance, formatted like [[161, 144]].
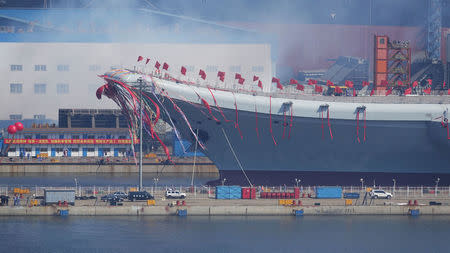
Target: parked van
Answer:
[[132, 196]]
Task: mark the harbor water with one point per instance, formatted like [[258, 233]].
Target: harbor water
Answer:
[[225, 234]]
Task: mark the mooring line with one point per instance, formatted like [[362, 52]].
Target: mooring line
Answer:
[[237, 160]]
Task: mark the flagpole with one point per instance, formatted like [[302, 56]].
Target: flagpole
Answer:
[[140, 134]]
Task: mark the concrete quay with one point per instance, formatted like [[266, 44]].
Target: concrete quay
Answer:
[[212, 207]]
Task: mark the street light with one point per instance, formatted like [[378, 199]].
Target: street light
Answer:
[[393, 191], [223, 181], [76, 186], [362, 183], [297, 181], [155, 181], [140, 81], [436, 188]]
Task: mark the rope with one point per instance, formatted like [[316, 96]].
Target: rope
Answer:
[[235, 157], [270, 119], [220, 109], [195, 157]]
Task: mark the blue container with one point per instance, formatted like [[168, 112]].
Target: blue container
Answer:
[[235, 192], [351, 195], [63, 212], [328, 192], [228, 192], [414, 212], [182, 212], [298, 212]]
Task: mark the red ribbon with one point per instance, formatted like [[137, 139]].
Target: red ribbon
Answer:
[[256, 118], [236, 124], [290, 125], [323, 135], [270, 120], [218, 107], [329, 125], [209, 109], [357, 126], [364, 125]]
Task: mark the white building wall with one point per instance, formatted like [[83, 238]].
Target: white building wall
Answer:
[[83, 80]]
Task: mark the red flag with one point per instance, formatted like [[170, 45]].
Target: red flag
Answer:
[[354, 92], [279, 86], [415, 83], [220, 73], [349, 84], [183, 70], [318, 88], [312, 82], [338, 90], [365, 83], [430, 81], [241, 80], [408, 91], [275, 80], [372, 92], [427, 90], [329, 83], [388, 92], [147, 61], [443, 85], [255, 78], [300, 87], [448, 92], [260, 84], [383, 83], [293, 81], [237, 76], [157, 65], [165, 66], [400, 83], [202, 73], [140, 58], [222, 78]]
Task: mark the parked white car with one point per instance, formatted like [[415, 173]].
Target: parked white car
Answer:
[[380, 194], [175, 194]]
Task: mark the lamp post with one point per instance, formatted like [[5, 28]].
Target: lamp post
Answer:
[[155, 181], [76, 186], [223, 181], [436, 188], [362, 183], [297, 181], [393, 190]]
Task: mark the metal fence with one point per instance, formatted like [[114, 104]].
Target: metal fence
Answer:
[[206, 192]]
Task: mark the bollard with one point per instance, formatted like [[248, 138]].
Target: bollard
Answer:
[[183, 203], [300, 203], [409, 203], [416, 203]]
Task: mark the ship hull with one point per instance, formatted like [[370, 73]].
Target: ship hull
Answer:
[[389, 146]]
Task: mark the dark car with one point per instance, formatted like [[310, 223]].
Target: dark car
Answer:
[[132, 196], [110, 197]]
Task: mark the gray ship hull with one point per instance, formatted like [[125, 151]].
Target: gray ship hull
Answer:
[[390, 146]]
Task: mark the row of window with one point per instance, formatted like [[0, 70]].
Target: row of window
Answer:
[[60, 67], [62, 136], [19, 116], [39, 88]]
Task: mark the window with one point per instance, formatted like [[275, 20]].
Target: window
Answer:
[[39, 116], [94, 67], [15, 116], [28, 137], [40, 67], [27, 150], [90, 150], [62, 67], [91, 137], [62, 88], [75, 150], [16, 67], [211, 68], [75, 137], [15, 88], [43, 136], [235, 68], [40, 88], [43, 150], [122, 137], [257, 69]]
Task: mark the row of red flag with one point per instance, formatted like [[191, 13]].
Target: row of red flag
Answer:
[[317, 88]]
